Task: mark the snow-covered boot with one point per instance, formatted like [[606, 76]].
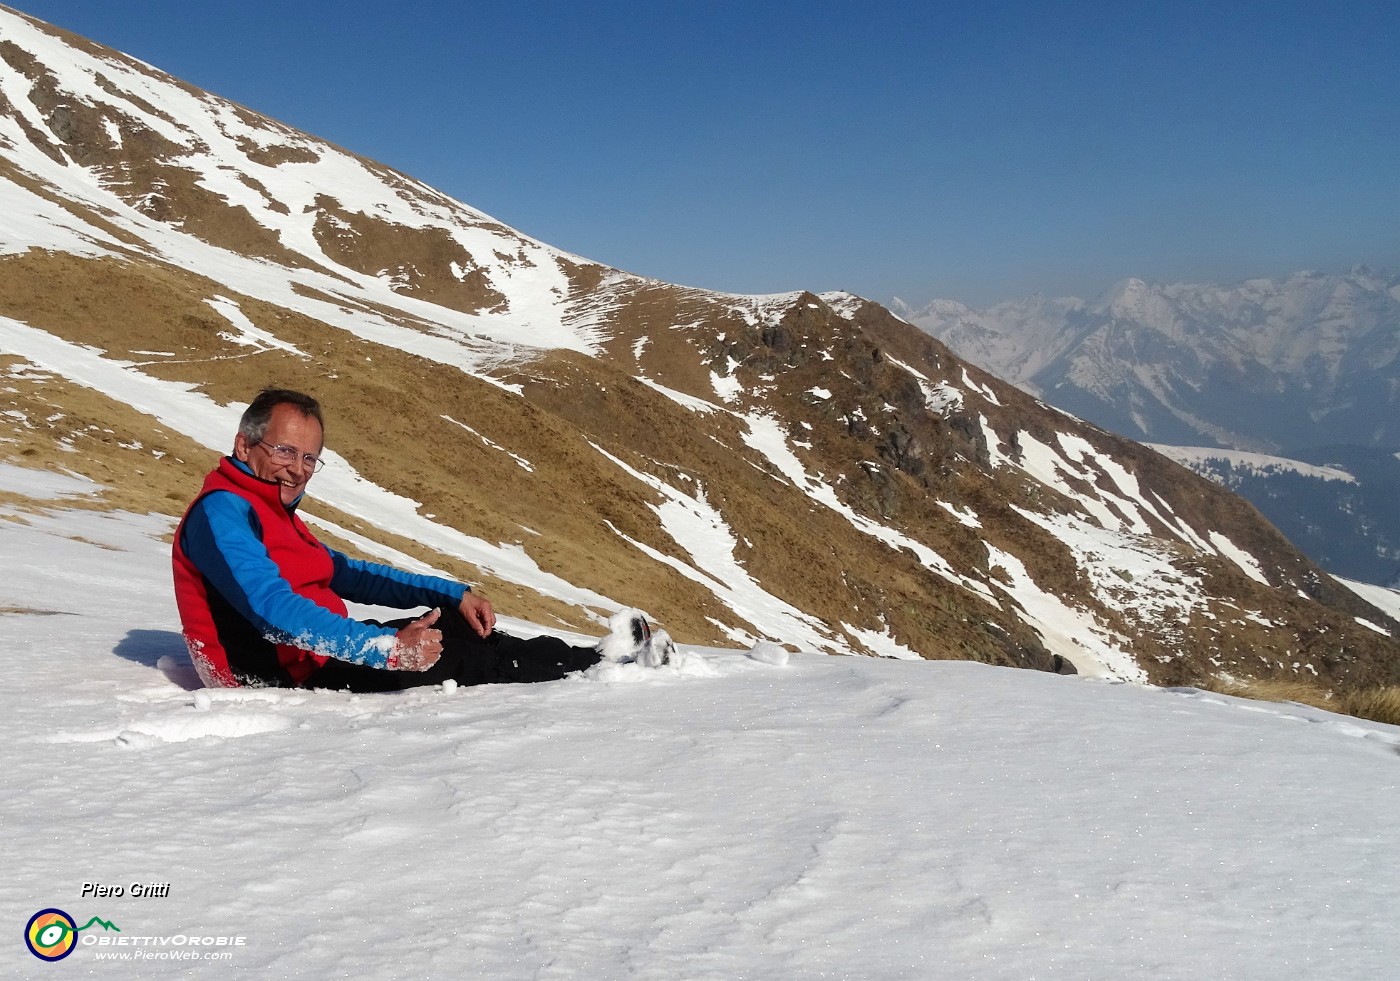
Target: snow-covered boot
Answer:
[[628, 637], [661, 650]]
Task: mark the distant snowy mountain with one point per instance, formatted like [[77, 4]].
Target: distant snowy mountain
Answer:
[[1303, 368], [1277, 366], [808, 470]]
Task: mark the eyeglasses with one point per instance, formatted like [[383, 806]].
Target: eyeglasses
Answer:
[[287, 455]]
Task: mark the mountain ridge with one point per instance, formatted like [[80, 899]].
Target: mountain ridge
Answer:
[[1155, 361], [801, 468]]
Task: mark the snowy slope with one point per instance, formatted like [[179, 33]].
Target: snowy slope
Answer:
[[1116, 548], [225, 151], [827, 817], [1240, 461]]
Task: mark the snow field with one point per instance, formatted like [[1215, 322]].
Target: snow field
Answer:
[[732, 817]]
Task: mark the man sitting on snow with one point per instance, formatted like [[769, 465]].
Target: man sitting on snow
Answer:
[[263, 602]]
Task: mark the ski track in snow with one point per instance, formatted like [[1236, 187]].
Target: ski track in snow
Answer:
[[807, 817]]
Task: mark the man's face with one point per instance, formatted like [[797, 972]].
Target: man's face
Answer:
[[286, 427]]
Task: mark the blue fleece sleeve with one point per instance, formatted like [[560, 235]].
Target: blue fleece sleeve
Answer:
[[383, 585], [221, 538]]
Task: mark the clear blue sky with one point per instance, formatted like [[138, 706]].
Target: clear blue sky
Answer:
[[969, 150]]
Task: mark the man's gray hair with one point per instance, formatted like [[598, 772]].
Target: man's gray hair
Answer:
[[253, 425]]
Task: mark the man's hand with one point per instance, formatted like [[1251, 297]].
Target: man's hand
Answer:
[[418, 646], [476, 610]]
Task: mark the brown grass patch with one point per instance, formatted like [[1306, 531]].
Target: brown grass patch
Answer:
[[1376, 704], [1379, 703], [1275, 690], [140, 465], [420, 260]]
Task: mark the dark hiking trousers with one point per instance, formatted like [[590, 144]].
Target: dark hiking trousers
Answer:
[[466, 659]]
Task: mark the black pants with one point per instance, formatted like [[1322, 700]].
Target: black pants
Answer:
[[466, 659]]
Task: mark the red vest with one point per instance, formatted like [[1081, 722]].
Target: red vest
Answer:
[[221, 642]]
